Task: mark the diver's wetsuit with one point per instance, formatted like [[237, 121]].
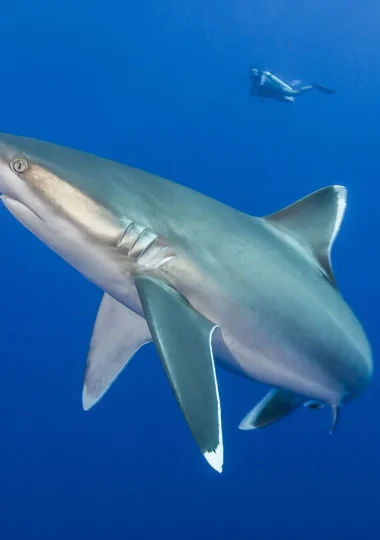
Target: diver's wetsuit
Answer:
[[267, 85]]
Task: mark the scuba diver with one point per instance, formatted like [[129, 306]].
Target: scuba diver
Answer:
[[267, 85]]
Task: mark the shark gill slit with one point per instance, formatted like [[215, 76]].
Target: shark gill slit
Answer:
[[153, 249], [122, 236]]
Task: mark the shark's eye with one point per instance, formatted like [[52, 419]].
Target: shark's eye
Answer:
[[19, 164]]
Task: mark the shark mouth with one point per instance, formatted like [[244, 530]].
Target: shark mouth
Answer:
[[21, 212]]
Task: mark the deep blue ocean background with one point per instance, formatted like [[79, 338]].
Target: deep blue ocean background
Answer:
[[163, 85]]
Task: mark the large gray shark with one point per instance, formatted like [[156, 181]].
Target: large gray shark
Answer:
[[197, 278]]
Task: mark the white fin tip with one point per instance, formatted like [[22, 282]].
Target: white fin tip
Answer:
[[88, 401], [215, 458]]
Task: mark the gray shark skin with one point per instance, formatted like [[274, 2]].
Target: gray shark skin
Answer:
[[199, 279]]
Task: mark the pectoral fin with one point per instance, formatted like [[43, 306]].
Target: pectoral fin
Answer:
[[276, 405], [183, 340], [117, 336]]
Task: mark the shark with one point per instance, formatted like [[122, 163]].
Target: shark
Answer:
[[206, 283]]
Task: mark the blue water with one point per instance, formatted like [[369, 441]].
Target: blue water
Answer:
[[162, 85]]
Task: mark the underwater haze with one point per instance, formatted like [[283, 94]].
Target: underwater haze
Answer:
[[163, 85]]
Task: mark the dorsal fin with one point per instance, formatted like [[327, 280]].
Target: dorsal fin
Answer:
[[314, 222]]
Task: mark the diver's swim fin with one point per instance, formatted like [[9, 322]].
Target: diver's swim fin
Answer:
[[323, 89]]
